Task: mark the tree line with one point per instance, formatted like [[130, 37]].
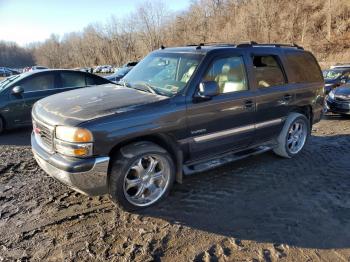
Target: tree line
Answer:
[[322, 26]]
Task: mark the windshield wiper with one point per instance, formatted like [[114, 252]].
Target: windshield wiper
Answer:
[[149, 88]]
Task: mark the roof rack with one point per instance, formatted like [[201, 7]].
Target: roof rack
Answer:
[[199, 46], [252, 44], [246, 44]]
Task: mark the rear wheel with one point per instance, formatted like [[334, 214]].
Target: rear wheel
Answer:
[[142, 174], [293, 136]]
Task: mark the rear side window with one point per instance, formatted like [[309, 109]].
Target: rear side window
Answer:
[[70, 79], [304, 67], [268, 71], [39, 83]]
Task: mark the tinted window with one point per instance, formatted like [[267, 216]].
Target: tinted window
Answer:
[[90, 81], [304, 67], [39, 83], [70, 79], [268, 71], [229, 73]]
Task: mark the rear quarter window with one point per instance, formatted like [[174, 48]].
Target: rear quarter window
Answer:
[[303, 67]]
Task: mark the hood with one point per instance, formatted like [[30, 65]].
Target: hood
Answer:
[[80, 105], [342, 92]]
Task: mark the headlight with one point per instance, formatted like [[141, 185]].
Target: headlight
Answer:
[[73, 141], [331, 94], [73, 134]]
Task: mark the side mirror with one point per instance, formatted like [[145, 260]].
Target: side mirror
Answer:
[[17, 90], [207, 90]]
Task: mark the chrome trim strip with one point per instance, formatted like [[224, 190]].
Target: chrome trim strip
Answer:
[[224, 133], [269, 123], [236, 130]]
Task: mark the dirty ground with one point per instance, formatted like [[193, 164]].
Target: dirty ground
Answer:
[[264, 208]]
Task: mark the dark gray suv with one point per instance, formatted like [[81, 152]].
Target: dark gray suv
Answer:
[[179, 111]]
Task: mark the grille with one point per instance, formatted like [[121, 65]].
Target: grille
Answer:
[[44, 135]]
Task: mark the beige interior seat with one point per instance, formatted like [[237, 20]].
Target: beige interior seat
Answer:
[[230, 79], [186, 76]]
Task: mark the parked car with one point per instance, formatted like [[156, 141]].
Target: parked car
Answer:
[[5, 72], [37, 68], [18, 93], [335, 77], [179, 111], [106, 69], [119, 74], [14, 71], [338, 100]]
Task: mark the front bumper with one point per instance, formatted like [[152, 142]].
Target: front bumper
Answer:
[[334, 106], [87, 176]]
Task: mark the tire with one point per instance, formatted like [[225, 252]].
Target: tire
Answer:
[[292, 140], [142, 174]]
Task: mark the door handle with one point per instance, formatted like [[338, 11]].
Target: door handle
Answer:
[[248, 104]]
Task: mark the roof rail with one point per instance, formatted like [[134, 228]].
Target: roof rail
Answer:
[[199, 46], [252, 43]]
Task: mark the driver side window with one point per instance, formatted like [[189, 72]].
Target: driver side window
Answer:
[[39, 83], [229, 73]]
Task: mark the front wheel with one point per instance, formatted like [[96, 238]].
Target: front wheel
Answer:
[[293, 136], [142, 174]]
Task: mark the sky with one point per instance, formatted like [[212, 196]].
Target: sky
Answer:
[[26, 21]]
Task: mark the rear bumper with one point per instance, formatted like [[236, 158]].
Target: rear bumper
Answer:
[[87, 176], [337, 107]]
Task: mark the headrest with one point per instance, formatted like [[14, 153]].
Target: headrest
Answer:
[[226, 69]]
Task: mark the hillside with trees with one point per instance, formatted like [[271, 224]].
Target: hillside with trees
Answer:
[[322, 26]]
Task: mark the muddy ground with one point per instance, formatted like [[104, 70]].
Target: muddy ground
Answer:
[[260, 209]]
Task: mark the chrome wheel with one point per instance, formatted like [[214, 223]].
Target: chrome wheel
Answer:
[[147, 180], [296, 137]]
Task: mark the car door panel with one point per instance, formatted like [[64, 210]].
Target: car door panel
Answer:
[[273, 95], [35, 88], [224, 123]]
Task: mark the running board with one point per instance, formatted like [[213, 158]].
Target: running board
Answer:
[[205, 165]]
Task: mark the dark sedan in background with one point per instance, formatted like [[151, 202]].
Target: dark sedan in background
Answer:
[[338, 100], [119, 74], [18, 93], [335, 77]]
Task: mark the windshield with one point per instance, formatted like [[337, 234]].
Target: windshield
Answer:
[[4, 83], [165, 73], [331, 74]]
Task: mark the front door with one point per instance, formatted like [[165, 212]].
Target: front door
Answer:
[[226, 122], [34, 88]]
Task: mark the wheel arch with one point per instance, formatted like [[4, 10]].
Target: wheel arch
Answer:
[[306, 111], [162, 140]]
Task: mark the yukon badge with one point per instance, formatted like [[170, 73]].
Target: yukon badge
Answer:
[[199, 131]]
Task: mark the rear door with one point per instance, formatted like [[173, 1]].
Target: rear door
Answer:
[[273, 95], [226, 122], [35, 87], [69, 80]]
